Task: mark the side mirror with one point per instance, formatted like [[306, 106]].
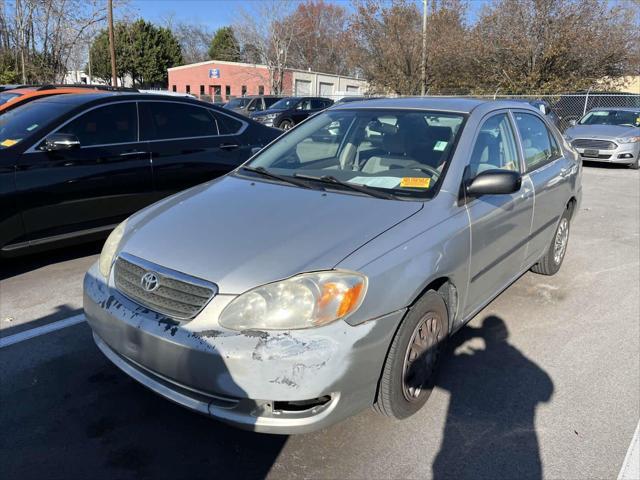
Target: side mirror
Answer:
[[494, 182], [60, 141], [573, 122]]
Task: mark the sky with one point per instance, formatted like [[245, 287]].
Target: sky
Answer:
[[218, 13]]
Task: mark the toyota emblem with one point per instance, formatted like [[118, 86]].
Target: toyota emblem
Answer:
[[149, 282]]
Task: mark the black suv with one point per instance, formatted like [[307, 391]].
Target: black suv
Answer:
[[73, 166], [248, 105], [290, 111]]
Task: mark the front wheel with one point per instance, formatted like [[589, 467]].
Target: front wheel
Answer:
[[550, 263], [286, 124], [409, 371], [635, 165]]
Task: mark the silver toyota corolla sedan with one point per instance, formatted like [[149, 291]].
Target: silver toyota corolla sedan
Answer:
[[325, 274], [608, 135]]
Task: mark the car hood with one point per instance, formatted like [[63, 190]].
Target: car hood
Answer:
[[608, 132], [241, 234]]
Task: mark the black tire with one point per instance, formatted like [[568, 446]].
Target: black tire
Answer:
[[404, 389], [552, 260], [286, 124]]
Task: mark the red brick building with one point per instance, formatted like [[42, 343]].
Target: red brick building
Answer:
[[225, 80]]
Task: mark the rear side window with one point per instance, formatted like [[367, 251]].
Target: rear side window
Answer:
[[111, 124], [537, 141], [169, 120], [227, 124]]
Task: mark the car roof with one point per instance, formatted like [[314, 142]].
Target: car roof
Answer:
[[449, 104], [621, 109], [108, 96]]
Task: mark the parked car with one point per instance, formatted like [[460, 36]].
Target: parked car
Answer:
[[608, 135], [354, 98], [570, 107], [324, 275], [73, 166], [289, 111], [546, 110], [10, 99], [248, 105]]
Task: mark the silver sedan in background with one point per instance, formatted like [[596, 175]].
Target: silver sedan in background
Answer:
[[608, 135], [325, 274]]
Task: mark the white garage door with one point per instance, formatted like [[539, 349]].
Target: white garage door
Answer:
[[302, 88], [326, 89]]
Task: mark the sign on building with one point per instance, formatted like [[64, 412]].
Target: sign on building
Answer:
[[214, 73]]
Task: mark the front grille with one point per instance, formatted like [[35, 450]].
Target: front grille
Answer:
[[593, 143], [178, 296]]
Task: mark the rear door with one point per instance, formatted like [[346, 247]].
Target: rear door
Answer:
[[549, 172], [92, 187], [188, 144], [500, 224]]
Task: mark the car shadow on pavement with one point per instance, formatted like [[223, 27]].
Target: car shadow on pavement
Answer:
[[605, 165], [490, 428], [13, 266]]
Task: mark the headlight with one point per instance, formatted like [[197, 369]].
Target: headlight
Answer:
[[109, 249], [304, 301], [271, 116], [628, 139]]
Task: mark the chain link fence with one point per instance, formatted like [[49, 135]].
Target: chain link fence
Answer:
[[563, 109]]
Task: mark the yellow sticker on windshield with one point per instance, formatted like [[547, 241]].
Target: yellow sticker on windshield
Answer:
[[415, 182], [8, 142]]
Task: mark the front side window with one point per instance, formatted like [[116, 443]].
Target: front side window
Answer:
[[495, 147], [168, 120], [403, 152], [19, 124], [537, 142], [112, 124], [624, 118]]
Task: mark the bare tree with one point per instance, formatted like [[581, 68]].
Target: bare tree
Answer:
[[267, 33], [44, 34], [322, 39]]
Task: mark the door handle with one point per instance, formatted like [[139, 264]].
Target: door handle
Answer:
[[229, 146], [131, 154]]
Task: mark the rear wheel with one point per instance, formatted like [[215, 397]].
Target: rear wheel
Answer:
[[550, 263], [409, 371]]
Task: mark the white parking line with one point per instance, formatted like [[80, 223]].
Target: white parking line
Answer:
[[35, 332], [631, 466]]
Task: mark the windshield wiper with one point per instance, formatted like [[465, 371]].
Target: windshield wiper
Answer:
[[358, 188], [266, 173]]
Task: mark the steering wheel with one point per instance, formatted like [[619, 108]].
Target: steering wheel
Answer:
[[426, 169]]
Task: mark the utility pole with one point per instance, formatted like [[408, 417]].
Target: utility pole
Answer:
[[424, 47], [112, 48]]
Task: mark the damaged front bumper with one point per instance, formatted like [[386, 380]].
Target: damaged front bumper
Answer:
[[275, 382]]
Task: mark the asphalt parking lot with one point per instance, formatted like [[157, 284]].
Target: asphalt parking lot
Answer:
[[545, 382]]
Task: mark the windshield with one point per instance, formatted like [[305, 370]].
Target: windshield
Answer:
[[5, 97], [237, 103], [22, 122], [285, 103], [626, 118], [403, 152]]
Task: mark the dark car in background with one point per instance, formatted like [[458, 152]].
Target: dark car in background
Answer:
[[247, 105], [73, 166], [290, 111], [545, 108]]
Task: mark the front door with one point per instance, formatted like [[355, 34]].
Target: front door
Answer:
[[91, 187], [500, 224]]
